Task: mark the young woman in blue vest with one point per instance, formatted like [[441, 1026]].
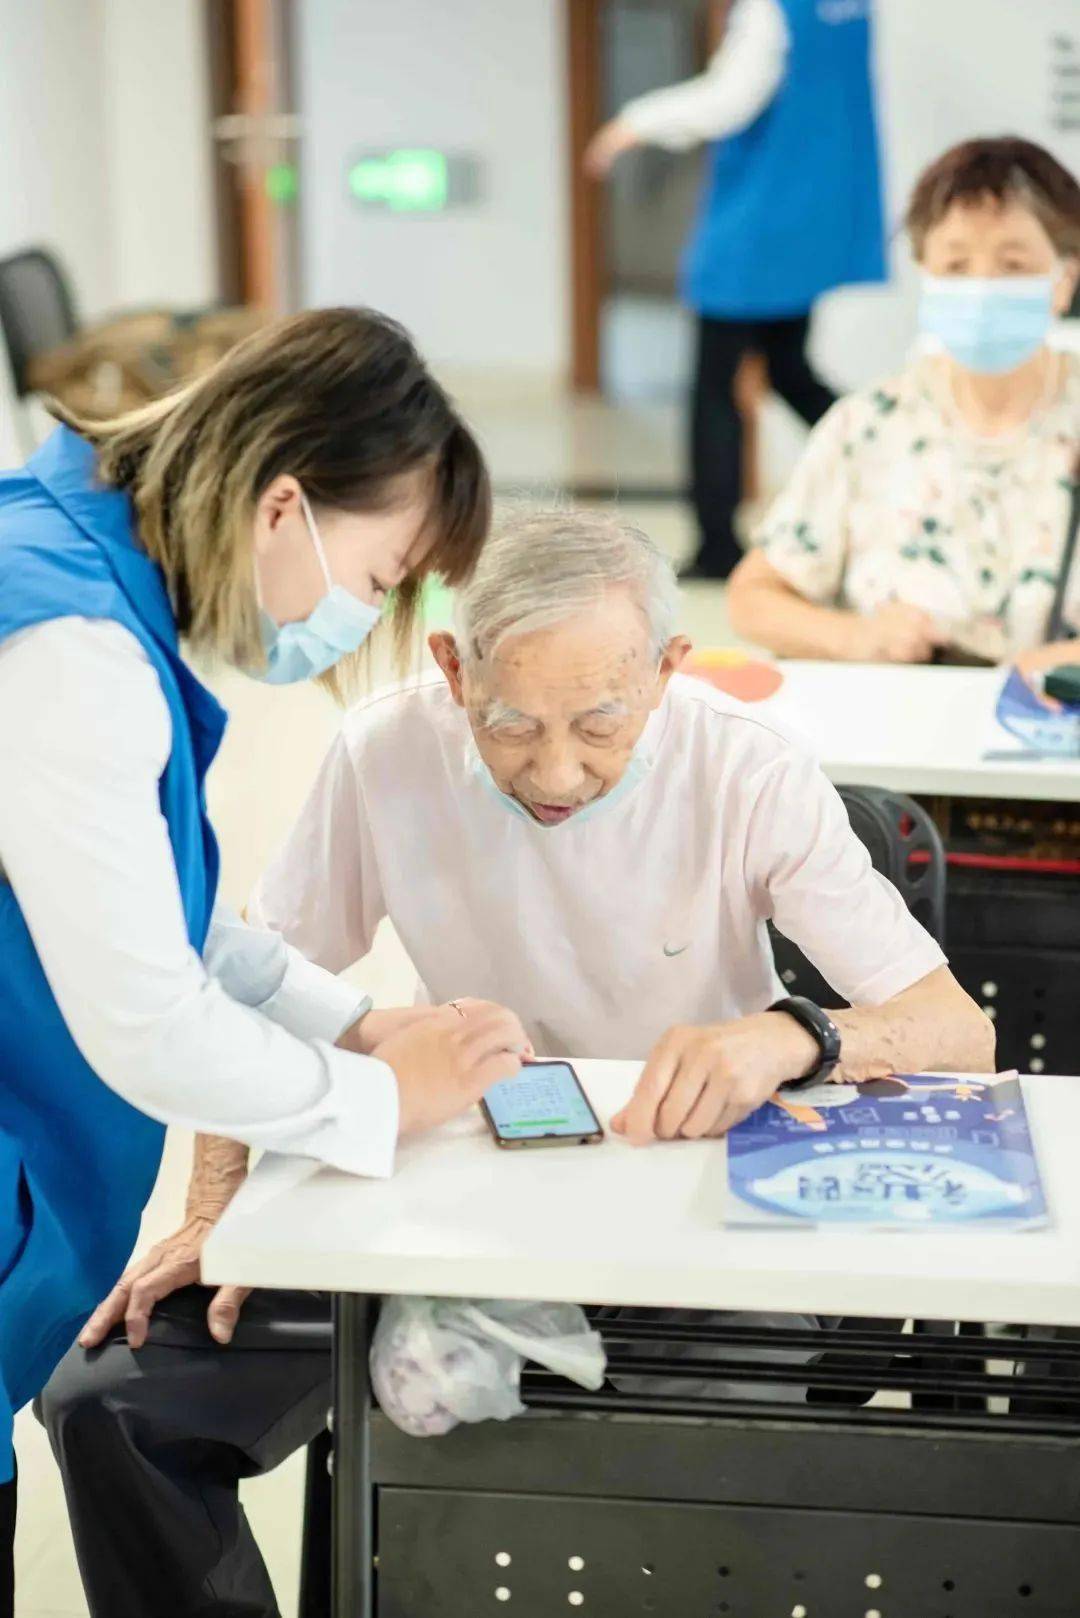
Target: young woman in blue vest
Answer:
[[791, 208], [264, 514]]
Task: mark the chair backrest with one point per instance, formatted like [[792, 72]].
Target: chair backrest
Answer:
[[37, 310], [906, 847]]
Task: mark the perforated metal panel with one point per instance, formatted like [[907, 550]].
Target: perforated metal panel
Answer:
[[458, 1555]]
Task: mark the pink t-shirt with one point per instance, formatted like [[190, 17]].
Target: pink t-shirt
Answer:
[[646, 910]]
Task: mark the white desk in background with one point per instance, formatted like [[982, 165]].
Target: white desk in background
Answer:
[[608, 1224], [917, 729]]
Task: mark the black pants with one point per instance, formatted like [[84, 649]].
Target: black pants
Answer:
[[152, 1446], [7, 1549], [716, 427]]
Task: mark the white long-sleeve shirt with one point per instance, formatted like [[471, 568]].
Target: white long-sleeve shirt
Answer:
[[741, 79], [239, 1043]]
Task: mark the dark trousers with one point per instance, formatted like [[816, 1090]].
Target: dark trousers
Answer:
[[7, 1549], [152, 1446], [716, 438]]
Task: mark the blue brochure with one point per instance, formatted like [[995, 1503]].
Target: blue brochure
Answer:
[[913, 1152], [1051, 732]]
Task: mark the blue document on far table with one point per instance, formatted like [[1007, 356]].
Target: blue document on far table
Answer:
[[1034, 728], [914, 1152]]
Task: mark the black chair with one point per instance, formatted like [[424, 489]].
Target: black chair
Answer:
[[37, 310], [37, 316], [906, 847]]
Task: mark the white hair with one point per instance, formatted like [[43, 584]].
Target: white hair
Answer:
[[545, 567]]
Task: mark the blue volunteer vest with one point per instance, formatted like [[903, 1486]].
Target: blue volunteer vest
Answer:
[[792, 204], [77, 1163]]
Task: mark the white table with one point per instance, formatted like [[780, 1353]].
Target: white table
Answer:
[[917, 729], [609, 1224]]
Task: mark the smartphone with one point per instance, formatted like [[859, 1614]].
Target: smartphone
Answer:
[[543, 1105], [1064, 683]]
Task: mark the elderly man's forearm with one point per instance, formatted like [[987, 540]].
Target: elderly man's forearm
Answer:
[[218, 1171], [934, 1025]]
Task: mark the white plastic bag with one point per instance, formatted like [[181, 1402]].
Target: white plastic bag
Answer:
[[438, 1361]]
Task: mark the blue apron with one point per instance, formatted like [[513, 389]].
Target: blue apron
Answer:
[[77, 1163], [792, 204]]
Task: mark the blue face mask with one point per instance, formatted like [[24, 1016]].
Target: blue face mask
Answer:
[[988, 324], [638, 766], [336, 626]]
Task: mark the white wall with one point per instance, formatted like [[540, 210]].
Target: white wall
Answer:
[[481, 288], [104, 144], [52, 138], [53, 149], [156, 103]]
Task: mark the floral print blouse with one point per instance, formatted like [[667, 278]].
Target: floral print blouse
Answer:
[[895, 498]]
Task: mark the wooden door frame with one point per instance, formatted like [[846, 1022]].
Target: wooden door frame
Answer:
[[250, 54], [588, 269], [585, 107]]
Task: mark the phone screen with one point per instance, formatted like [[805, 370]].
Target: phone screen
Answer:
[[544, 1099]]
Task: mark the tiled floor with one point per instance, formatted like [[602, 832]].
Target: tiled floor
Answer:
[[274, 745]]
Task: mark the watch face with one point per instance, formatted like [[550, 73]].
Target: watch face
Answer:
[[824, 1030]]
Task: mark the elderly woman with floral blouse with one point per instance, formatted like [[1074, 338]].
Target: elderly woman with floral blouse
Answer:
[[931, 510]]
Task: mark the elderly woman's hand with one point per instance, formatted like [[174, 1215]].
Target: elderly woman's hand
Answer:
[[1039, 660], [896, 633]]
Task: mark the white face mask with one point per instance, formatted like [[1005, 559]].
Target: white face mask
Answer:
[[337, 625], [988, 324]]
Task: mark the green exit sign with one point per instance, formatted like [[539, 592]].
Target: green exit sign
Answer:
[[413, 179]]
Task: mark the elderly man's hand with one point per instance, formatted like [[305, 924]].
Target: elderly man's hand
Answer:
[[702, 1081], [172, 1264]]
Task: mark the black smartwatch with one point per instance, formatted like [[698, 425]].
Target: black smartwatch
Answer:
[[824, 1030]]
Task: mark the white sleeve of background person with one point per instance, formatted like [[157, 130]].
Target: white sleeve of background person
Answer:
[[742, 78], [84, 737], [323, 889], [822, 891]]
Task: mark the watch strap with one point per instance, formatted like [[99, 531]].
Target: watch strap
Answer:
[[818, 1023]]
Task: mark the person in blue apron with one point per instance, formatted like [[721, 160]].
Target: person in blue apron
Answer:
[[791, 208], [264, 513]]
